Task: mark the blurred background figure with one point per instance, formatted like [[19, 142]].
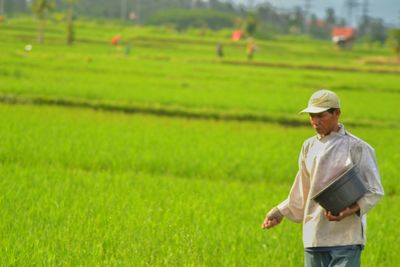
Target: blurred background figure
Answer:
[[128, 49], [115, 40], [236, 35], [251, 48], [220, 50]]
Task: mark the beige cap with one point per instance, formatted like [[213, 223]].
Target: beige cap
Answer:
[[321, 101]]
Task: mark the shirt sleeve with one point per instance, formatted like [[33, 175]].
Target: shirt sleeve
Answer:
[[293, 206], [368, 169]]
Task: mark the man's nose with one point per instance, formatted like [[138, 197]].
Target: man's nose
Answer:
[[315, 120]]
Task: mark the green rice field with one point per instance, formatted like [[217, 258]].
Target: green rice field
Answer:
[[168, 155]]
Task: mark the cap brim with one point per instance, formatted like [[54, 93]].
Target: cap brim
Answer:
[[313, 110]]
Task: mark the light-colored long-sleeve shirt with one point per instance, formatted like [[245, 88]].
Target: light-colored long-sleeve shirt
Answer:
[[321, 160]]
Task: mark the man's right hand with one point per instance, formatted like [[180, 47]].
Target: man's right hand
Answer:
[[274, 217], [269, 223]]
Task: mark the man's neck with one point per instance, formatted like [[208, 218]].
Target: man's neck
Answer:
[[335, 129]]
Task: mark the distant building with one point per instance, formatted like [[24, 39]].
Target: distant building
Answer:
[[343, 37]]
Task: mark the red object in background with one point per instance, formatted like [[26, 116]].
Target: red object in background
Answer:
[[116, 39], [237, 35], [343, 32]]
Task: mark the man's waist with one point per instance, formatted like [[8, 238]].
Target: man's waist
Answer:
[[327, 249]]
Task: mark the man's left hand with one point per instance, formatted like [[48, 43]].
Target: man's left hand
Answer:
[[343, 214]]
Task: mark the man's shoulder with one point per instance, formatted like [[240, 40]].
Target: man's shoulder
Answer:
[[308, 143], [310, 140], [357, 141]]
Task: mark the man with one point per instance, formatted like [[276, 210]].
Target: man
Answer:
[[250, 48], [329, 240]]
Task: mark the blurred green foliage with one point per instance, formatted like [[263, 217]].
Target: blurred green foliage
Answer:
[[183, 19], [168, 155], [394, 41]]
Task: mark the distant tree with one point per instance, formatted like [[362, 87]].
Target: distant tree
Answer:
[[342, 22], [144, 9], [251, 23], [296, 20], [1, 7], [364, 26], [200, 18], [100, 8], [14, 6], [318, 28], [70, 17], [377, 31], [330, 17], [394, 41], [323, 28], [222, 6], [271, 20], [40, 9]]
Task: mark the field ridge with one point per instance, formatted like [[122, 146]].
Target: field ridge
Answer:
[[175, 111]]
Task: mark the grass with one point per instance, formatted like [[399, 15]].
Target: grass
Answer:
[[171, 70], [82, 187], [79, 218], [93, 188], [191, 85]]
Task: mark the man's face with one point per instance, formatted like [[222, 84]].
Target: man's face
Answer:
[[325, 122]]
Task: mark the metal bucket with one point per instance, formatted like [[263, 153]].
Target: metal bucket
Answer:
[[344, 191]]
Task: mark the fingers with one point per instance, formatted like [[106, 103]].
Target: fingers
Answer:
[[335, 218], [329, 216], [343, 214], [273, 217], [264, 225], [269, 223]]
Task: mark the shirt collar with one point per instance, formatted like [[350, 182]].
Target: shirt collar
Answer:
[[341, 132]]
